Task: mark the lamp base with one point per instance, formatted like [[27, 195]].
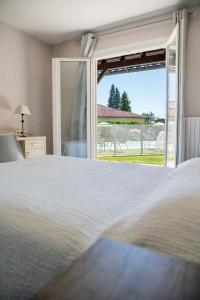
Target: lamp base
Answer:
[[22, 132]]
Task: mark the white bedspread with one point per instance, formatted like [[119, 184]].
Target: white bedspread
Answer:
[[169, 221], [53, 208]]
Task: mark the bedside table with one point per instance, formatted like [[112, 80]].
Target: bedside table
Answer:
[[32, 146], [112, 270]]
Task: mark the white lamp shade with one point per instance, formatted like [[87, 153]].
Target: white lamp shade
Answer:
[[22, 110]]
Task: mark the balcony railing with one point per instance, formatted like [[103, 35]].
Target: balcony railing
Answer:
[[118, 140]]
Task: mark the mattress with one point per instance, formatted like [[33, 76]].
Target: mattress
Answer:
[[53, 208]]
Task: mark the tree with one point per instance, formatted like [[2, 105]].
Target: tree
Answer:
[[111, 99], [117, 101], [125, 102], [149, 118]]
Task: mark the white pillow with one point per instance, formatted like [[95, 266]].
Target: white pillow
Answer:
[[169, 221]]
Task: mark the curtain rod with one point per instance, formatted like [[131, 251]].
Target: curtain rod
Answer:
[[133, 26], [142, 23], [130, 26]]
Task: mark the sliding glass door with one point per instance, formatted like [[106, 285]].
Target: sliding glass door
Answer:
[[172, 69], [71, 107]]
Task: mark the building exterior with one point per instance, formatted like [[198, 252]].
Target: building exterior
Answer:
[[112, 115]]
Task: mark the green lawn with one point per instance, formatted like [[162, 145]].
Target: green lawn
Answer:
[[140, 159]]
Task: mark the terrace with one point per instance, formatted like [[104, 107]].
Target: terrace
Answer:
[[125, 136], [134, 143]]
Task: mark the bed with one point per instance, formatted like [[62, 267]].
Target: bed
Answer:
[[53, 208]]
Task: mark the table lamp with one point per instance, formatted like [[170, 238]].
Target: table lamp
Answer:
[[22, 110]]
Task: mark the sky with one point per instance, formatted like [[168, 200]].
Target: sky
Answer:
[[146, 90]]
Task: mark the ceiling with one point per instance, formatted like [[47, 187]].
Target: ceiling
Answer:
[[54, 21]]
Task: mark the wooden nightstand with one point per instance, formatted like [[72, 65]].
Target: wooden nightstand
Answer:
[[33, 146], [111, 270]]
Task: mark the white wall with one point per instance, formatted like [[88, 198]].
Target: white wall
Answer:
[[111, 42], [137, 39], [25, 78], [66, 49]]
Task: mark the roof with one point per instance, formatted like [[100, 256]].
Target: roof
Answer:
[[142, 61], [108, 112]]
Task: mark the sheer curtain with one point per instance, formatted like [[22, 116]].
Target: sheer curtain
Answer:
[[181, 17], [78, 134]]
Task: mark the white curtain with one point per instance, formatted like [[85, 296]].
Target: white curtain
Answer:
[[77, 146], [181, 17], [192, 137]]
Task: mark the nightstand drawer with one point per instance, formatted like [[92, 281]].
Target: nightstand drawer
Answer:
[[35, 153], [34, 144]]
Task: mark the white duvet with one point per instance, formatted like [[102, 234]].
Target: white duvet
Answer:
[[53, 208], [169, 221]]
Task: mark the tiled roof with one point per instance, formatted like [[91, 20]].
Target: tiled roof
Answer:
[[108, 112]]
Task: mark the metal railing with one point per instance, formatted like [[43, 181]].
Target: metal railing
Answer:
[[130, 139]]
